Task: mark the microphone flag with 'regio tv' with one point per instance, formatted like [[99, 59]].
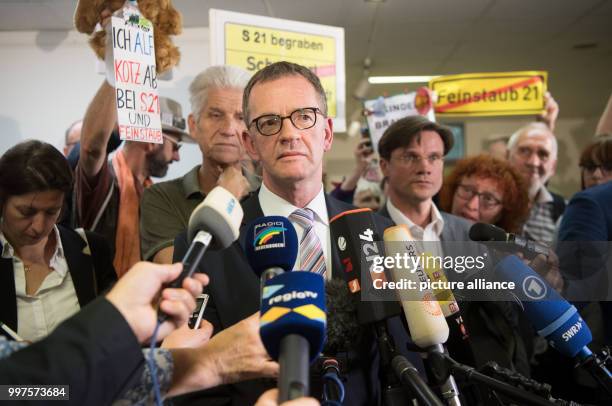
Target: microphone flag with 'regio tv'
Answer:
[[359, 244], [271, 246], [292, 327], [214, 223]]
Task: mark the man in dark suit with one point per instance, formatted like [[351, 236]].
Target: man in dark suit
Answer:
[[285, 110]]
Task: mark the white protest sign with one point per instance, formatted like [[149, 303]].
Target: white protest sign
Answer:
[[138, 112], [384, 111]]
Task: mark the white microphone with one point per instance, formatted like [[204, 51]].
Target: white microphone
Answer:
[[426, 321], [213, 223]]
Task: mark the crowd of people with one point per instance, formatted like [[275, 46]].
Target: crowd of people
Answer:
[[67, 236]]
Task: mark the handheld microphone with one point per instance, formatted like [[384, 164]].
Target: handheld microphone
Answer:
[[358, 241], [213, 223], [292, 327], [553, 317], [426, 322], [271, 246], [483, 232], [410, 376]]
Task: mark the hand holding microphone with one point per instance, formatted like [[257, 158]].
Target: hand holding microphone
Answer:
[[213, 223]]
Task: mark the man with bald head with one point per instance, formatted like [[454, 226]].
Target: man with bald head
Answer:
[[532, 149]]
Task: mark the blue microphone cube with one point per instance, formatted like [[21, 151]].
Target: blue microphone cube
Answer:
[[293, 303]]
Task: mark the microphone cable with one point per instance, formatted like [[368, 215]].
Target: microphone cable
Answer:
[[332, 384], [153, 367]]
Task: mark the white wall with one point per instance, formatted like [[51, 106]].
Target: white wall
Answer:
[[49, 77]]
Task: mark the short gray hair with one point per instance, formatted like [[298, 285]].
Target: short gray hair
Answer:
[[279, 70], [541, 127], [215, 77]]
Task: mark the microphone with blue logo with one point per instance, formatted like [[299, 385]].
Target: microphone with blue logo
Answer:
[[554, 317], [292, 329], [271, 246]]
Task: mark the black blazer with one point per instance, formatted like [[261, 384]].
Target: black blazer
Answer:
[[235, 294], [91, 273]]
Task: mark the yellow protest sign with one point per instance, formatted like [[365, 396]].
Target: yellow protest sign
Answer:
[[253, 42], [490, 94]]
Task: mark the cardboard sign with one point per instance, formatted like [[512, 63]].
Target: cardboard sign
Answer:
[[138, 112], [384, 111], [490, 94], [253, 42]]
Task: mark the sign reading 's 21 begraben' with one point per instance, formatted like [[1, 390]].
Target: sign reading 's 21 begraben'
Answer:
[[135, 76], [490, 94], [253, 42]]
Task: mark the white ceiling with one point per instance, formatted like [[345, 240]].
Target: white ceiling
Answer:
[[422, 37]]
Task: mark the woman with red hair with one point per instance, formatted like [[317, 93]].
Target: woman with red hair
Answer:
[[488, 190]]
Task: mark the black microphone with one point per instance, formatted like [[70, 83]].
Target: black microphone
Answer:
[[213, 223], [483, 232], [410, 377], [359, 245]]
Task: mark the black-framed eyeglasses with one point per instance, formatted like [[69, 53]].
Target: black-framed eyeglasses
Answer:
[[605, 169], [486, 200], [176, 145], [302, 119]]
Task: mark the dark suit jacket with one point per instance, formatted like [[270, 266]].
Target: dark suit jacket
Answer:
[[91, 274], [235, 294], [94, 352]]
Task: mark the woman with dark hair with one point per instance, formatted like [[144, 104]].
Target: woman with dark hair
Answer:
[[488, 190], [47, 272]]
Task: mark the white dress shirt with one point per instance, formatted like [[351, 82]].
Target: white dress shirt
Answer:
[[54, 301], [273, 205]]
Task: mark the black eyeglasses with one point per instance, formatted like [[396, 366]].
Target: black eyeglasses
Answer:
[[302, 119], [605, 169], [487, 200]]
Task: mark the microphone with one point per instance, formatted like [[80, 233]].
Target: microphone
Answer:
[[426, 322], [343, 329], [292, 327], [214, 223], [553, 317], [358, 241], [410, 376], [483, 232], [271, 246]]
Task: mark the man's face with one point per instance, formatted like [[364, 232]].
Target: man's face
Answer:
[[291, 155], [414, 173], [533, 157], [160, 158], [74, 136], [220, 125]]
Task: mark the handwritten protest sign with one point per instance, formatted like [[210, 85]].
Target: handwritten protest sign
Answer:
[[384, 111], [138, 112]]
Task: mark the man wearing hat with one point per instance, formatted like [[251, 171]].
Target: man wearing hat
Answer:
[[108, 192]]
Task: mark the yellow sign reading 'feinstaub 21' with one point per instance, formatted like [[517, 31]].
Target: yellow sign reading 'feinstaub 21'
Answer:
[[490, 94], [254, 47]]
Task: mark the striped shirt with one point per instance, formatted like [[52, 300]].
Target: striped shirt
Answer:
[[541, 225]]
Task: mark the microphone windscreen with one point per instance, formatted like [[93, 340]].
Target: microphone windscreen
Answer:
[[423, 313], [271, 242], [293, 303], [552, 316], [487, 232], [343, 328], [220, 214]]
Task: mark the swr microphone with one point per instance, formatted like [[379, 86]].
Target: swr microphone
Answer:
[[553, 317], [271, 246], [426, 322], [292, 327], [214, 223], [358, 241], [483, 232]]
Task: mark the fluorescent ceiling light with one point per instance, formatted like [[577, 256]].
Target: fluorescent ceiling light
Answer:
[[376, 80]]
